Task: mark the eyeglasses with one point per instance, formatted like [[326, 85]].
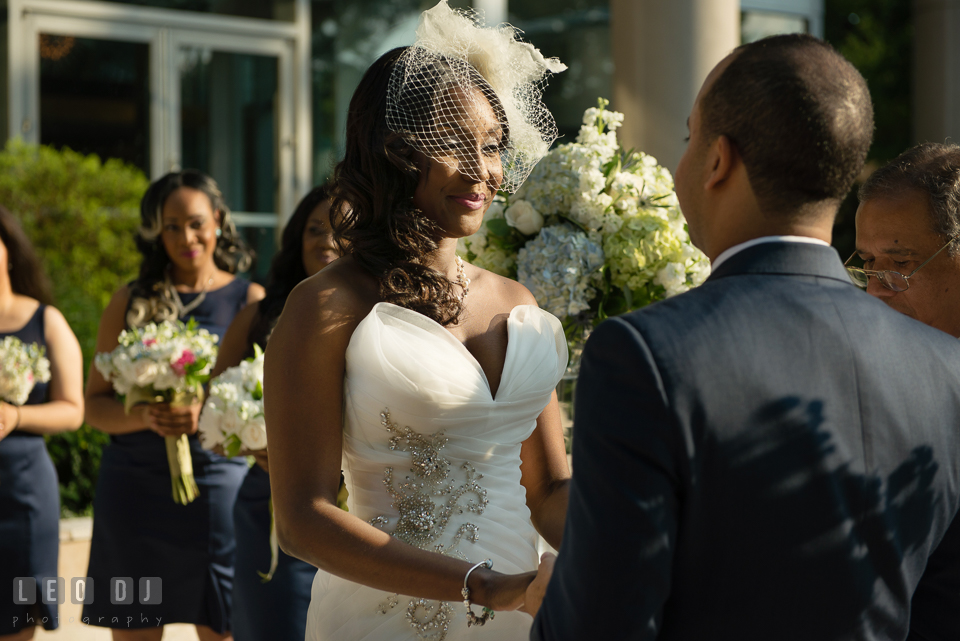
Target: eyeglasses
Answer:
[[888, 278]]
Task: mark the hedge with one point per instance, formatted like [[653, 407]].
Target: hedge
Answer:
[[81, 215]]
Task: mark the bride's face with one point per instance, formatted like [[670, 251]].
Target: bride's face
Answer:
[[463, 172]]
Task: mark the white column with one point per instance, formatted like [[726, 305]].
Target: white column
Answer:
[[494, 11], [662, 52], [936, 112]]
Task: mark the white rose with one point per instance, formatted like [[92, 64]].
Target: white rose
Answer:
[[254, 434], [143, 372], [230, 423], [524, 217], [209, 427]]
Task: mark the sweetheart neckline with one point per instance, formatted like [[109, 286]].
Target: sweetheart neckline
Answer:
[[427, 322]]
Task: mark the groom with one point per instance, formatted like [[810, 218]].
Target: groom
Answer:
[[775, 455]]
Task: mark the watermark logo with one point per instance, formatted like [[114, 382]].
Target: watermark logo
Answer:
[[148, 590]]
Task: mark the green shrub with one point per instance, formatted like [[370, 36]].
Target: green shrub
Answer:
[[81, 216]]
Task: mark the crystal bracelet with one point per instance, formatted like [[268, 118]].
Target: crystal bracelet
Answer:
[[473, 619]]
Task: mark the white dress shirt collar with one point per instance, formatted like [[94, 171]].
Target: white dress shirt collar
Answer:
[[736, 249]]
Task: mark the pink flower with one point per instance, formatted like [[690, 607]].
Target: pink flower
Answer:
[[149, 342], [179, 365]]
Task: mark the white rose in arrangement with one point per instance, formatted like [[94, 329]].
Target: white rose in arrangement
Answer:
[[524, 217], [253, 435], [143, 372], [209, 427]]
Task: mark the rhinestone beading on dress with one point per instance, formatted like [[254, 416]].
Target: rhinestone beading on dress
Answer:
[[422, 521]]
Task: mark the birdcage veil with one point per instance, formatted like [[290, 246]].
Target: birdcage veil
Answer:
[[464, 93]]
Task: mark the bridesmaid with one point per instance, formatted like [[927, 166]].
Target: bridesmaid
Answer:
[[276, 609], [29, 496], [191, 251]]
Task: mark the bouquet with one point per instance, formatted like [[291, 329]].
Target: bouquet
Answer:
[[165, 363], [594, 232], [233, 414], [22, 365], [232, 418]]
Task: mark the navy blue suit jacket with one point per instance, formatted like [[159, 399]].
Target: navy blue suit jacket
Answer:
[[772, 456]]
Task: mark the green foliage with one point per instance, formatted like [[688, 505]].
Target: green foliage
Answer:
[[877, 37], [81, 216]]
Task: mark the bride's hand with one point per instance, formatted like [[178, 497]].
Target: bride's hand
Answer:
[[538, 587], [503, 591]]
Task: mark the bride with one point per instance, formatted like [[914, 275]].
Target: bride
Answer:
[[429, 379]]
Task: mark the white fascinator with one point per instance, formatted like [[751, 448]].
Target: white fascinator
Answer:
[[464, 92]]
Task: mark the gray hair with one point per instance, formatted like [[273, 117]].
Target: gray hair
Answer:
[[930, 168]]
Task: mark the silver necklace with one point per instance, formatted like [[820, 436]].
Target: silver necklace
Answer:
[[462, 279], [183, 310]]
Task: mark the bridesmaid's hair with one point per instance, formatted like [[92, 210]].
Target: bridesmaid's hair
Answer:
[[373, 216], [151, 294], [286, 270], [27, 276]]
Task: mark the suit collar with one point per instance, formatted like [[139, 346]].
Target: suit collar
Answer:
[[787, 259]]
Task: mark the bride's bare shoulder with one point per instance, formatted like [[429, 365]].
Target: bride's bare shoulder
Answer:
[[494, 287], [340, 292]]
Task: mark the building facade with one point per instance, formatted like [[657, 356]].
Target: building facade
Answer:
[[255, 92]]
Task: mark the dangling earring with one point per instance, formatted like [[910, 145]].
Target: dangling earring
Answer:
[[219, 232]]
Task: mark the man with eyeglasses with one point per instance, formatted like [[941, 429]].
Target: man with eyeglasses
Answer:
[[908, 225]]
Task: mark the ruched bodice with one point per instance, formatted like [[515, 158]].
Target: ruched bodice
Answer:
[[433, 457]]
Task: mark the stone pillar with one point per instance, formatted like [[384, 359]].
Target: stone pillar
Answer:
[[936, 71], [662, 52]]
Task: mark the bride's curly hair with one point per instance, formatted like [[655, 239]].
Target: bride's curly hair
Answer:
[[151, 294], [376, 221]]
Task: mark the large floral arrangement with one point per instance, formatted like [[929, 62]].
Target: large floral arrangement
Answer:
[[165, 363], [232, 417], [595, 231], [22, 366]]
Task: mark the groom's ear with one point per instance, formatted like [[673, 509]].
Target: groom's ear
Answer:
[[722, 157]]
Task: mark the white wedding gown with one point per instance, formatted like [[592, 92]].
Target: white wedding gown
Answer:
[[433, 458]]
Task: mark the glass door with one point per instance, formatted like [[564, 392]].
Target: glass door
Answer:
[[165, 90], [229, 125], [233, 121], [95, 97]]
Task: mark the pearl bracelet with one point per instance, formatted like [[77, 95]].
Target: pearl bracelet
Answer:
[[473, 619]]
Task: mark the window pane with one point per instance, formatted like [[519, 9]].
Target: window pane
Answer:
[[95, 97], [347, 37], [577, 32], [755, 25], [264, 9], [228, 124]]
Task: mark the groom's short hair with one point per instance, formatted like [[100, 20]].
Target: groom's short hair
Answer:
[[800, 116]]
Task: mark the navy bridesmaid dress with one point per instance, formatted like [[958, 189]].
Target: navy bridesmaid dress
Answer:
[[29, 508], [139, 531], [276, 609]]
